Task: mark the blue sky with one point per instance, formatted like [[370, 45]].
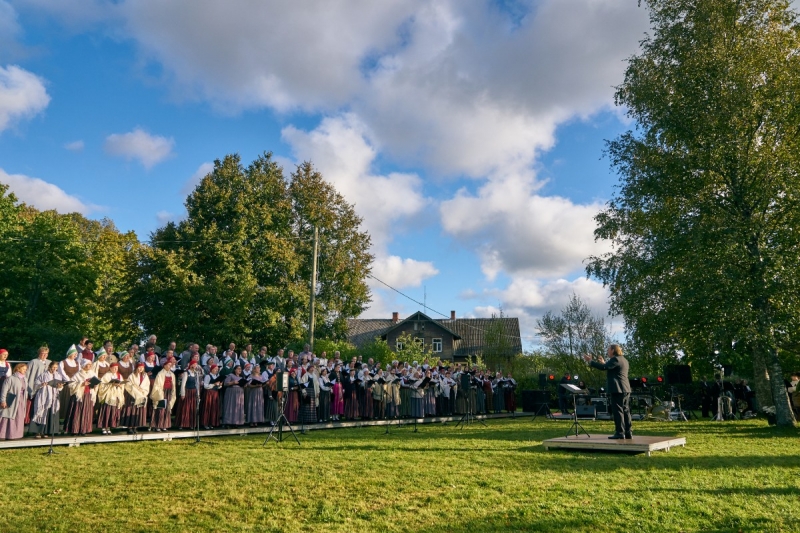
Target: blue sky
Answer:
[[469, 135]]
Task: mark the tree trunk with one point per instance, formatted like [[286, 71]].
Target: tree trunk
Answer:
[[761, 381], [783, 409]]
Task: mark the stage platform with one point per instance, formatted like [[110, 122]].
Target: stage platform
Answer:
[[638, 444], [122, 436]]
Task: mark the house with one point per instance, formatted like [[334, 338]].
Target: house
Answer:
[[453, 338]]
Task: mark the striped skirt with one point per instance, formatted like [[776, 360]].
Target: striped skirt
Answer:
[[132, 416], [210, 410], [255, 406], [292, 406], [233, 406], [417, 408], [324, 405], [187, 410], [78, 420], [430, 401], [351, 405], [161, 418], [108, 416]]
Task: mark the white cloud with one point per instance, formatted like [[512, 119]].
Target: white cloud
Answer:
[[10, 31], [529, 299], [74, 146], [471, 94], [399, 273], [148, 149], [22, 95], [282, 55], [43, 195], [165, 216], [201, 172], [341, 150], [516, 230]]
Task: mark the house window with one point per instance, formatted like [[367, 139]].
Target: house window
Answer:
[[419, 342], [437, 345], [400, 345]]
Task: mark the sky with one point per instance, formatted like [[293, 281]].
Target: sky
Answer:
[[468, 135]]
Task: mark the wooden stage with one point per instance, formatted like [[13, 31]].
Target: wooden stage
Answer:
[[638, 444]]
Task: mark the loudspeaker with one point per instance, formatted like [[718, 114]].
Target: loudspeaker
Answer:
[[600, 405], [585, 411], [465, 381], [678, 374], [527, 401], [281, 381], [542, 381], [541, 396]]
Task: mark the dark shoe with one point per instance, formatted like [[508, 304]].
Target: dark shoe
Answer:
[[616, 436], [628, 435]]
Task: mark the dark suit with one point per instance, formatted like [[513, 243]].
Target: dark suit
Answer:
[[619, 391]]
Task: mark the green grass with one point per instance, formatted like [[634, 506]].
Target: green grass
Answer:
[[731, 476]]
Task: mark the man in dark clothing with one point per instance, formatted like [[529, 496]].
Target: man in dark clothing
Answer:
[[618, 388]]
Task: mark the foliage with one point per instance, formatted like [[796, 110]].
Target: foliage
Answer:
[[498, 351], [412, 350], [378, 350], [704, 221], [731, 476], [238, 268], [63, 276], [570, 334]]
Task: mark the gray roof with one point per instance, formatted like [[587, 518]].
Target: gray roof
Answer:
[[469, 333]]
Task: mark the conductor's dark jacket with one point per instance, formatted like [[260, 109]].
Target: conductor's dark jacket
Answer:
[[616, 374]]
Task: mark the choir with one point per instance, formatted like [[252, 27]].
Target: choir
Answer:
[[160, 391]]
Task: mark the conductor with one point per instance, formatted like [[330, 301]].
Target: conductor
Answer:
[[618, 387]]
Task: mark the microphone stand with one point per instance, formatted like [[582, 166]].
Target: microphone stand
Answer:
[[50, 414], [197, 419]]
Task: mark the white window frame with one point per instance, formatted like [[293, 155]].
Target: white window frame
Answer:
[[437, 345], [399, 345]]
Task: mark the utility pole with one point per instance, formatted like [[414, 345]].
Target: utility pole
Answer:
[[313, 287]]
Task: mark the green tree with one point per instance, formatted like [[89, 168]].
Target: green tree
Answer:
[[238, 268], [704, 221], [498, 352], [573, 332], [63, 276]]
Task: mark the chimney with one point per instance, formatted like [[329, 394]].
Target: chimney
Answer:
[[395, 317], [452, 315]]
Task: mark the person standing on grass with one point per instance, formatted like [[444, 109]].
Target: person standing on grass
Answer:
[[618, 388]]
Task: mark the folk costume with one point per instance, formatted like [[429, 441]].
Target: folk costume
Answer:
[[233, 401], [82, 397], [14, 394], [111, 394], [211, 406], [163, 397], [137, 389], [255, 399], [191, 382], [45, 401]]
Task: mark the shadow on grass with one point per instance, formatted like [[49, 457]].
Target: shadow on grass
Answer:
[[512, 521]]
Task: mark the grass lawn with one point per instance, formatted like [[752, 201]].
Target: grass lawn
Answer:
[[731, 476]]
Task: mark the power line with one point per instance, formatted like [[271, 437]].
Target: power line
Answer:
[[515, 337]]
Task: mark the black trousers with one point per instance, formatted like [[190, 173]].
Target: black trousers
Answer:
[[621, 410]]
